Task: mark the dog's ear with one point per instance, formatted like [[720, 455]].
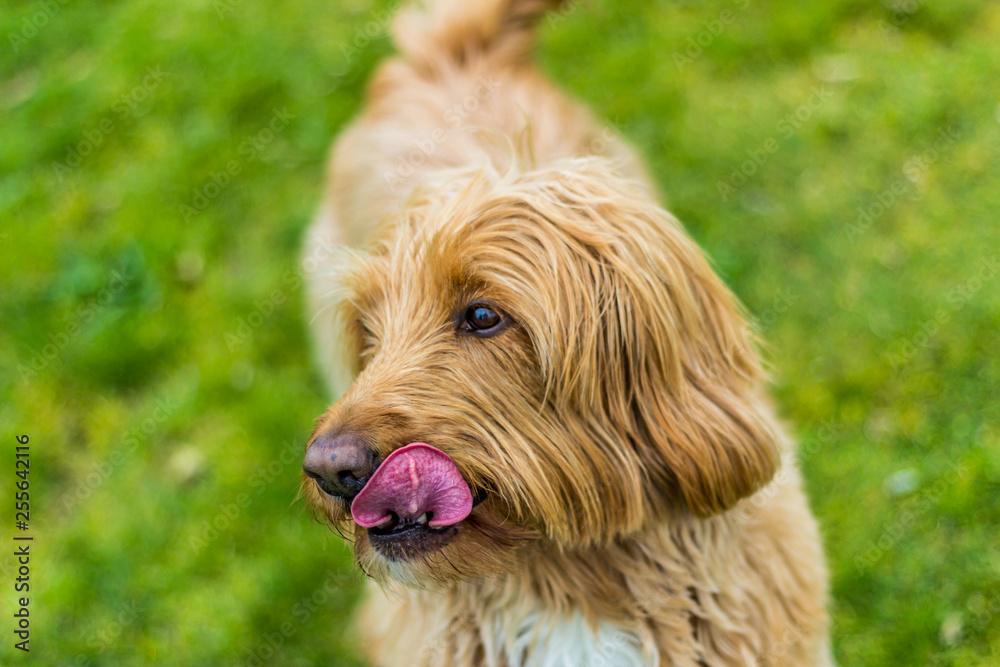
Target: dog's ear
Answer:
[[670, 363]]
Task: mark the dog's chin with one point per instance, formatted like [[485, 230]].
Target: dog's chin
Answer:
[[419, 556], [407, 540], [486, 543]]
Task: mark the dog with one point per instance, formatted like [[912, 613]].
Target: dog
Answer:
[[552, 443]]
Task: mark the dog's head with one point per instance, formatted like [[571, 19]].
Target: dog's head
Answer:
[[566, 353]]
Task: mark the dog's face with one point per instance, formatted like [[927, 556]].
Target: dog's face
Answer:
[[561, 340]]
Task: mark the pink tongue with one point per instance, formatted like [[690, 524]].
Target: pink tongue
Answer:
[[414, 480]]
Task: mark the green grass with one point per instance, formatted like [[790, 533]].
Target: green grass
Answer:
[[160, 399]]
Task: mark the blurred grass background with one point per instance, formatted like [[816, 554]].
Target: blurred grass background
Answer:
[[158, 357]]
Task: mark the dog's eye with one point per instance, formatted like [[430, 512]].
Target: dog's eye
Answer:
[[482, 319]]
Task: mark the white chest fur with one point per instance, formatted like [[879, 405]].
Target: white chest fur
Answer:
[[570, 642]]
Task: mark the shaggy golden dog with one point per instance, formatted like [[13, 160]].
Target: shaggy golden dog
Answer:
[[551, 444]]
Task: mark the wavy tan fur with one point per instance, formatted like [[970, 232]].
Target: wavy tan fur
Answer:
[[637, 478]]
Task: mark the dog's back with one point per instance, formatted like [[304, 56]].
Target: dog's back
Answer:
[[463, 92]]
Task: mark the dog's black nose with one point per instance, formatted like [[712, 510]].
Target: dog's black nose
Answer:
[[340, 465]]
